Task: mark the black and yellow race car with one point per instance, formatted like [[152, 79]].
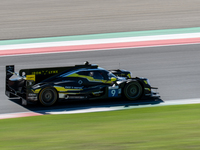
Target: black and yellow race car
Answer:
[[79, 82]]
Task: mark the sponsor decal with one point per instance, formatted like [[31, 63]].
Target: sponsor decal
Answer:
[[72, 87], [75, 97], [113, 93], [30, 77], [45, 72], [80, 82]]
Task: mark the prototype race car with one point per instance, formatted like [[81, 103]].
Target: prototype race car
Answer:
[[79, 82]]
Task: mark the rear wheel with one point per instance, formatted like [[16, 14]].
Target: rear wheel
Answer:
[[133, 90], [48, 96]]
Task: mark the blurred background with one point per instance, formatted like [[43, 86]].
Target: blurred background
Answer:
[[46, 18]]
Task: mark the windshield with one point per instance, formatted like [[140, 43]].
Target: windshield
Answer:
[[110, 75]]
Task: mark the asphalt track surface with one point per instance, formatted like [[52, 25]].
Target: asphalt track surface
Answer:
[[173, 69], [28, 18]]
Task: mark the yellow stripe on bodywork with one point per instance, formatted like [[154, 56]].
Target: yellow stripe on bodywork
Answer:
[[81, 76], [147, 89], [36, 91], [59, 89], [129, 75], [62, 89], [89, 78]]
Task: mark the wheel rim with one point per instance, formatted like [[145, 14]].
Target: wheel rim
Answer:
[[48, 97], [133, 91]]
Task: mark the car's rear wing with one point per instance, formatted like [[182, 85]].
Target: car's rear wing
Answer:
[[10, 71]]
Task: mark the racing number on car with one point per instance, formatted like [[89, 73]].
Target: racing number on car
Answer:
[[113, 93]]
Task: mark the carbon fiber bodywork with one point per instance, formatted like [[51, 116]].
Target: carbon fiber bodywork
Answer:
[[81, 82]]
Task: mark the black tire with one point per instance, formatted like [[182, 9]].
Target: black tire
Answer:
[[133, 90], [48, 96]]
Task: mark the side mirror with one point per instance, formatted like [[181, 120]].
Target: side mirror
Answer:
[[113, 79]]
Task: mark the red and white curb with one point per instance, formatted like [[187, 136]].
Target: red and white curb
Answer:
[[99, 109], [18, 115], [99, 44]]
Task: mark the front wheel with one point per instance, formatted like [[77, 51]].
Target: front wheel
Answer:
[[48, 96], [133, 90]]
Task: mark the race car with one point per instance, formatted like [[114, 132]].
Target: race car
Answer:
[[79, 82]]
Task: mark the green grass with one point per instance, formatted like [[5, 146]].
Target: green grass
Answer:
[[155, 128]]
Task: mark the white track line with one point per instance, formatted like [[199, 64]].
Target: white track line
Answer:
[[100, 41], [107, 49]]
